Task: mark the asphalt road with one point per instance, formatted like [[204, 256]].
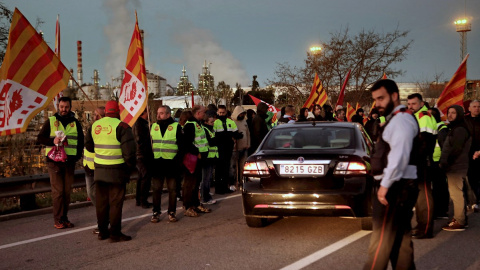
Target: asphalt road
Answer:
[[218, 240]]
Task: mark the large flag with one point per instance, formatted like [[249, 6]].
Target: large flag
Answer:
[[271, 108], [453, 92], [342, 91], [350, 112], [317, 95], [133, 94], [30, 77], [57, 52]]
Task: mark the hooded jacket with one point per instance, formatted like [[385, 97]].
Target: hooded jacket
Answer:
[[243, 143], [259, 129], [456, 147]]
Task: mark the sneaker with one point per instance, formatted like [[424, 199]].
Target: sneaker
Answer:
[[233, 188], [59, 225], [155, 217], [202, 209], [68, 224], [96, 231], [454, 226], [190, 213], [172, 218], [212, 201], [476, 208], [211, 193], [120, 238]]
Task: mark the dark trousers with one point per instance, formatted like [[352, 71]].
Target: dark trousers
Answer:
[[391, 238], [109, 206], [157, 187], [222, 171], [61, 180], [441, 197], [143, 181], [191, 184], [424, 206]]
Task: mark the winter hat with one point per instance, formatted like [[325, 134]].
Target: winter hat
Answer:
[[112, 107]]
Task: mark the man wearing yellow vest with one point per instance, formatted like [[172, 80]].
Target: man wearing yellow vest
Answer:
[[115, 156], [62, 173], [428, 135], [208, 165], [225, 131], [196, 144], [88, 162], [167, 138]]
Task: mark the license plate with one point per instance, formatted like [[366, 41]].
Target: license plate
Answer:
[[301, 169]]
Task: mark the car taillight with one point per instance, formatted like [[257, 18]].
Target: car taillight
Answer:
[[258, 168], [354, 167]]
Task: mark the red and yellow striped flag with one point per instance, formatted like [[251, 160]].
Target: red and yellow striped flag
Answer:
[[317, 95], [134, 92], [350, 112], [357, 107], [30, 77], [384, 75], [453, 92]]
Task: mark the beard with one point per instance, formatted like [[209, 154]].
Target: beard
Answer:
[[388, 109]]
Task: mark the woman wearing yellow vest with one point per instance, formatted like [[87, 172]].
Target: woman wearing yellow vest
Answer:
[[209, 163]]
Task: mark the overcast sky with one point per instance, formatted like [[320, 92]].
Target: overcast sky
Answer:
[[249, 37]]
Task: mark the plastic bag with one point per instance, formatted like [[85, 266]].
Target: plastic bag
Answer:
[[190, 162], [57, 154]]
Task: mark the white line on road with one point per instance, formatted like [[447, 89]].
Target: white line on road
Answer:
[[326, 251], [86, 228]]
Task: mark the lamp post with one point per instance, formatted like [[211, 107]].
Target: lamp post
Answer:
[[462, 27]]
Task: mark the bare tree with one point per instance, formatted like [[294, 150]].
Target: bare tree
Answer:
[[368, 55], [5, 20]]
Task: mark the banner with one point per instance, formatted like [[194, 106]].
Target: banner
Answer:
[[453, 92], [350, 112], [133, 94], [271, 108], [30, 77], [342, 91], [317, 95]]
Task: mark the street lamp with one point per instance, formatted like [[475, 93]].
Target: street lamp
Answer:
[[315, 50], [462, 27]]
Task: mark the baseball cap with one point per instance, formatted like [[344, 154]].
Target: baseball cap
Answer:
[[112, 107]]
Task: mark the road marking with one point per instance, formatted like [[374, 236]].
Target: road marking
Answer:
[[70, 231], [326, 251]]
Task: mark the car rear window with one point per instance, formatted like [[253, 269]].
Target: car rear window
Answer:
[[314, 137]]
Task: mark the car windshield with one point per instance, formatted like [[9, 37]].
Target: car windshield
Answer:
[[313, 137]]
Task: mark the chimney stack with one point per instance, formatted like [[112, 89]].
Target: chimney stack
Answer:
[[79, 63]]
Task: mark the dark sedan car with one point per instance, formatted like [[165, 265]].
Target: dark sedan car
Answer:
[[309, 169]]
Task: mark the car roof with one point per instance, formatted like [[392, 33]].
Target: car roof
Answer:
[[319, 124]]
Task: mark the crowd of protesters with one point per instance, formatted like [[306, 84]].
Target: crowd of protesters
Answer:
[[194, 150]]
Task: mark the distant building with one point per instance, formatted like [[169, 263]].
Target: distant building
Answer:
[[184, 86], [156, 84], [206, 81]]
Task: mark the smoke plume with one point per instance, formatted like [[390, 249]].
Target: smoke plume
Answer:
[[199, 45]]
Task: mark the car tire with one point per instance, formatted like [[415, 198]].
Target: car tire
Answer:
[[366, 223], [255, 222]]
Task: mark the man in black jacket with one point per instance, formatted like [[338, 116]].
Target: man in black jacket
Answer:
[[115, 156], [167, 138], [141, 133], [259, 127], [62, 173], [473, 124]]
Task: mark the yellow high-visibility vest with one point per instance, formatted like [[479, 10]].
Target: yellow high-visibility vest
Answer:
[[164, 147], [70, 131], [107, 147]]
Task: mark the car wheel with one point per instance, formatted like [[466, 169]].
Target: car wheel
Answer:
[[255, 222], [366, 223]]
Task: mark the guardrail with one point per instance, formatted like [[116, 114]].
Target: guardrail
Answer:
[[27, 186], [33, 184]]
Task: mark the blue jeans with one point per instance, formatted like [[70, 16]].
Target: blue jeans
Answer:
[[207, 175]]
